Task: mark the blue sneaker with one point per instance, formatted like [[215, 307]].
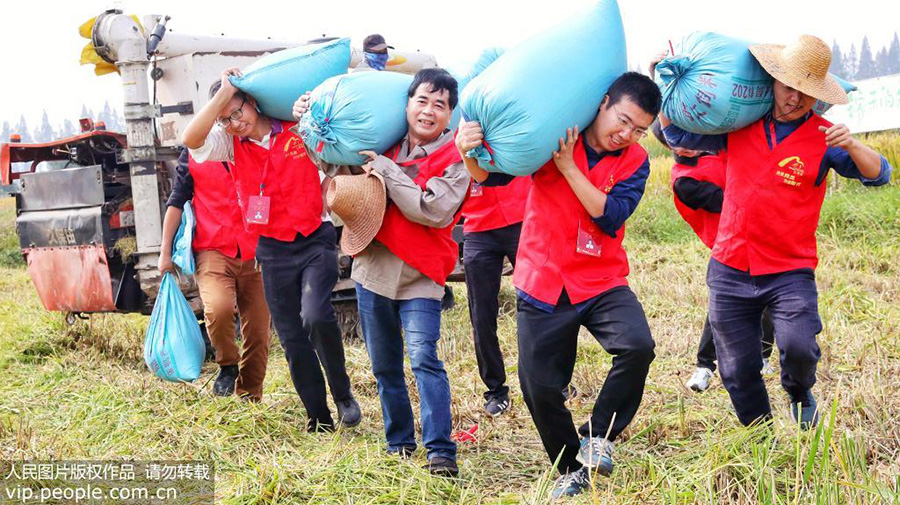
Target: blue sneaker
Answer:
[[804, 410], [596, 453], [571, 484]]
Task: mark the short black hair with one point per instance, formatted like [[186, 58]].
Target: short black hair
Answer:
[[217, 85], [439, 79], [639, 88]]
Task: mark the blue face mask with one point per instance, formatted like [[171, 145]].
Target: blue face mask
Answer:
[[376, 61]]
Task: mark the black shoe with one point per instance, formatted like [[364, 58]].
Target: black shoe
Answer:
[[224, 385], [497, 405], [402, 452], [569, 392], [313, 426], [442, 467], [348, 412]]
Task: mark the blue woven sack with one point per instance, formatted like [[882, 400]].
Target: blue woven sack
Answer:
[[713, 84], [173, 348], [484, 60], [182, 253], [527, 98], [362, 111], [277, 80]]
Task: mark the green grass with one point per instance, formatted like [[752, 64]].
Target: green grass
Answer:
[[83, 392], [10, 256]]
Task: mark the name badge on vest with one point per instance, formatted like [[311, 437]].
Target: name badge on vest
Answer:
[[258, 210], [477, 190], [588, 242]]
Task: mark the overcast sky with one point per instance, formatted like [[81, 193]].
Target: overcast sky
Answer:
[[42, 45]]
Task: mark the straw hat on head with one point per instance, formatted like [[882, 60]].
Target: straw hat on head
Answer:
[[802, 65], [360, 202]]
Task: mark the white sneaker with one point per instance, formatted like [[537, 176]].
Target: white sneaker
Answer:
[[767, 368], [700, 380]]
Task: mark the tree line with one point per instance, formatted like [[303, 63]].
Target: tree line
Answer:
[[865, 64], [46, 132]]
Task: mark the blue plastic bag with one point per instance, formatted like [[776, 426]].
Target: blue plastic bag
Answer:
[[821, 107], [355, 112], [182, 253], [173, 348], [276, 81], [527, 98], [713, 84], [484, 60]]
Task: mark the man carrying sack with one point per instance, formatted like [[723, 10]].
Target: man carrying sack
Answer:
[[226, 274], [493, 221], [698, 187], [571, 272], [297, 244], [764, 255], [400, 275]]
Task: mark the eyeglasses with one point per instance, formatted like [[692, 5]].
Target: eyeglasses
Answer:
[[234, 116], [629, 126]]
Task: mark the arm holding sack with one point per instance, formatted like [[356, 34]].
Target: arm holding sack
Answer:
[[198, 129]]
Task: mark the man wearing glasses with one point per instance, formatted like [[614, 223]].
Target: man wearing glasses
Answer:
[[279, 190], [571, 272]]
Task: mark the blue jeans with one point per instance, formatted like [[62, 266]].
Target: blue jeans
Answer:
[[420, 318], [736, 303]]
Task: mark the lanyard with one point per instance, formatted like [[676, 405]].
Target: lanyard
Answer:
[[262, 180]]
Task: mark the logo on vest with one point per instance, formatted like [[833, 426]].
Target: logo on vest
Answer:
[[609, 185], [294, 148], [791, 171]]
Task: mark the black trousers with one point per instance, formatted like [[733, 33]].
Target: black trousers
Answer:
[[706, 353], [298, 278], [547, 346], [483, 254]]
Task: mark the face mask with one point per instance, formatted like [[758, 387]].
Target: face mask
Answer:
[[376, 61]]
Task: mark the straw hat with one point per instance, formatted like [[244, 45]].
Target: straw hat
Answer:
[[803, 65], [360, 201]]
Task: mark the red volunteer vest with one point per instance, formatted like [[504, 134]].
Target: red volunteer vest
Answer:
[[291, 181], [431, 251], [709, 169], [220, 222], [547, 260], [772, 204], [489, 208]]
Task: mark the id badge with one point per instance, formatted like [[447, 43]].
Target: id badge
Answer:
[[588, 241], [258, 210], [477, 190]]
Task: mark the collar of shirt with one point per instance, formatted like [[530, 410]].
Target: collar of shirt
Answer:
[[264, 142], [594, 157], [422, 150], [782, 128]]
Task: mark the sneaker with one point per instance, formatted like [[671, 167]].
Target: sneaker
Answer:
[[497, 406], [569, 392], [700, 380], [804, 410], [348, 412], [596, 452], [767, 368], [571, 484], [442, 467], [224, 385], [402, 452]]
